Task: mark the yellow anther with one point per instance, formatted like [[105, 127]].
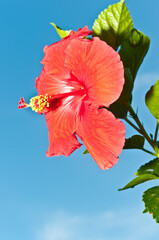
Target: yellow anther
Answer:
[[38, 103]]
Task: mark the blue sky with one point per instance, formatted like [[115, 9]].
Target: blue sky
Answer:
[[64, 198]]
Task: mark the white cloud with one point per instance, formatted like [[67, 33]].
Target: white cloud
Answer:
[[120, 225]]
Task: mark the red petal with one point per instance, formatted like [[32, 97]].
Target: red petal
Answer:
[[102, 134], [55, 77], [98, 66], [55, 54], [50, 84], [61, 124], [82, 32]]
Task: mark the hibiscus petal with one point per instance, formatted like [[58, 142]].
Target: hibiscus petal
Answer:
[[55, 77], [61, 125], [55, 54], [82, 33], [98, 67], [102, 134], [51, 84]]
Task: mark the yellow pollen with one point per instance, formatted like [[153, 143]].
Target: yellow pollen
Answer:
[[38, 103]]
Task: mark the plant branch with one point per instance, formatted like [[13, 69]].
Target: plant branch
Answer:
[[142, 130], [147, 151], [156, 132], [133, 125]]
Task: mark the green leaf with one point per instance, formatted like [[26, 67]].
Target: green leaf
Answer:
[[151, 200], [152, 100], [61, 33], [134, 142], [133, 51], [138, 180], [114, 24], [119, 108], [151, 167], [85, 152], [147, 172]]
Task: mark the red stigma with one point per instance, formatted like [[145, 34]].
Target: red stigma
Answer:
[[22, 104]]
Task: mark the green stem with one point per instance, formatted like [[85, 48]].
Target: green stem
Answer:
[[147, 151], [130, 123], [137, 129], [156, 132], [142, 130]]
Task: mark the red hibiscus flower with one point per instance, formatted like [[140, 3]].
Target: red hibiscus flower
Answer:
[[79, 77]]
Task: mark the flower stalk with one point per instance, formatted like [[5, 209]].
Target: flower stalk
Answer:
[[141, 129], [156, 132]]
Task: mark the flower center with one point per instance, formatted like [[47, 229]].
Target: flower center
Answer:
[[41, 103], [37, 103]]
